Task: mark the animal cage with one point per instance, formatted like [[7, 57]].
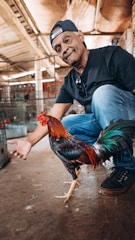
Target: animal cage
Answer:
[[4, 159]]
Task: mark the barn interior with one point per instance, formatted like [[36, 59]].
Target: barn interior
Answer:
[[31, 75]]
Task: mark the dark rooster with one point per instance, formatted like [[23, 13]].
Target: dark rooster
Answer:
[[73, 152]]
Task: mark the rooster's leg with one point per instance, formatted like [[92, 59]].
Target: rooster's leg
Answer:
[[68, 195], [70, 192]]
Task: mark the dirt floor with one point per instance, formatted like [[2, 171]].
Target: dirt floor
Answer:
[[30, 211]]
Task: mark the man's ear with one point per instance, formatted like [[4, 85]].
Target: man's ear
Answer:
[[81, 35]]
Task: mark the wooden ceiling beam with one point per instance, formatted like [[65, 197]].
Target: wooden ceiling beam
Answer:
[[8, 16]]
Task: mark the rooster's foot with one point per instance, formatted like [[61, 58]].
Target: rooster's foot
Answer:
[[68, 195]]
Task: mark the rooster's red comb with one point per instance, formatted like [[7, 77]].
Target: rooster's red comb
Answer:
[[42, 118]]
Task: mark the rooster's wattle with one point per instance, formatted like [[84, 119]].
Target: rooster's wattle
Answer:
[[73, 152]]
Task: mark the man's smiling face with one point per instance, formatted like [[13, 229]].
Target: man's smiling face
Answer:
[[69, 46]]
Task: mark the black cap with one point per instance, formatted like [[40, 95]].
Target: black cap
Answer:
[[65, 26]]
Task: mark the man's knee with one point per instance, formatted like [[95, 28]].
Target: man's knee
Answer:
[[104, 95]]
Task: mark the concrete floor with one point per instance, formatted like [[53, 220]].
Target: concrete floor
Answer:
[[30, 211]]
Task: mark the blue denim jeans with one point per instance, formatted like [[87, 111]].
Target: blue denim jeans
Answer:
[[108, 103]]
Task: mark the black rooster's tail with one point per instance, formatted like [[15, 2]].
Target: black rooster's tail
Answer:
[[116, 138]]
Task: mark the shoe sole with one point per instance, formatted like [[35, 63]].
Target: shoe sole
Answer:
[[112, 192]]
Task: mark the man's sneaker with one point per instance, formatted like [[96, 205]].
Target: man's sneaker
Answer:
[[119, 181]]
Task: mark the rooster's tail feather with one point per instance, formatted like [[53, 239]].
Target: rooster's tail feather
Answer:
[[115, 139]]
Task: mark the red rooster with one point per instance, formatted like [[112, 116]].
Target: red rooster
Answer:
[[73, 152]]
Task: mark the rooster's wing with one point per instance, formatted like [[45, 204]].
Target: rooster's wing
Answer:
[[71, 153]]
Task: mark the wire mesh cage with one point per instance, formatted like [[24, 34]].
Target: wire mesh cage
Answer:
[[4, 158]]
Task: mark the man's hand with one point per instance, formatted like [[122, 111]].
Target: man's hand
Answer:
[[21, 149]]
